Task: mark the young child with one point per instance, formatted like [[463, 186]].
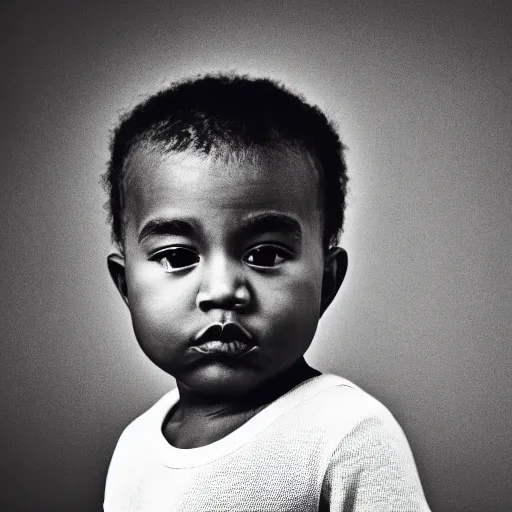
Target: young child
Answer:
[[226, 199]]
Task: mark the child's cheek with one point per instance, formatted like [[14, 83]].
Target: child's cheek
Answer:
[[292, 304], [292, 291], [148, 282], [158, 299]]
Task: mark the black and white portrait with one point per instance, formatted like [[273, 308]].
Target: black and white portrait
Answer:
[[313, 198]]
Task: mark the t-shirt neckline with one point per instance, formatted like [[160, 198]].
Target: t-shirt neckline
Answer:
[[170, 456]]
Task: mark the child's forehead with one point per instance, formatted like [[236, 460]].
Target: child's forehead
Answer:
[[284, 171]]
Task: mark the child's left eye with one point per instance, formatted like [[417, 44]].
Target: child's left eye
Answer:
[[266, 256]]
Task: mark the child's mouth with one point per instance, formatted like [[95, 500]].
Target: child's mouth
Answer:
[[228, 348], [227, 339]]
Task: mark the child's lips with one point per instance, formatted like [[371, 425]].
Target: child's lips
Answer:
[[230, 339]]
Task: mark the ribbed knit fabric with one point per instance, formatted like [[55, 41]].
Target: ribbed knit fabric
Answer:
[[326, 445]]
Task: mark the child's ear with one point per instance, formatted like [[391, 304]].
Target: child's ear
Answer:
[[116, 267], [335, 268]]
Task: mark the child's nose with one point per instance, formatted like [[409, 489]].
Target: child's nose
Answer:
[[223, 286]]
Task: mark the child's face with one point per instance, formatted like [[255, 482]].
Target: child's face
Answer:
[[209, 241]]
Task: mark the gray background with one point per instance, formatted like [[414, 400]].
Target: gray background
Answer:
[[421, 92]]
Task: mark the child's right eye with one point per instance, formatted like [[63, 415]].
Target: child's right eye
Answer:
[[177, 258]]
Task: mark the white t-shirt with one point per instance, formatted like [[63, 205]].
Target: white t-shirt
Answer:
[[326, 445]]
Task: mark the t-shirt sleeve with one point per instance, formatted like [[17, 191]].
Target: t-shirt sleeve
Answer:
[[373, 470]]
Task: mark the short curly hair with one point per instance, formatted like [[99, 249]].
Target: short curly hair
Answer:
[[236, 112]]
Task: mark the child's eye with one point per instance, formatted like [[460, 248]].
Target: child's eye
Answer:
[[177, 258], [266, 256]]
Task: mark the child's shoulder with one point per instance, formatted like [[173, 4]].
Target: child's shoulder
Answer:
[[148, 424], [340, 415], [332, 400]]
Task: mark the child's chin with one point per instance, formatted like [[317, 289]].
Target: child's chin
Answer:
[[220, 379]]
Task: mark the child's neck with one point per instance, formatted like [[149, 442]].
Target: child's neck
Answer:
[[184, 426], [191, 403]]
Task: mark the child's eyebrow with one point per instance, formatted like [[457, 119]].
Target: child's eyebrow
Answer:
[[164, 226], [265, 222], [254, 224]]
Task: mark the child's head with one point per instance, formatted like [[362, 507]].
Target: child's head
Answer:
[[226, 200]]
